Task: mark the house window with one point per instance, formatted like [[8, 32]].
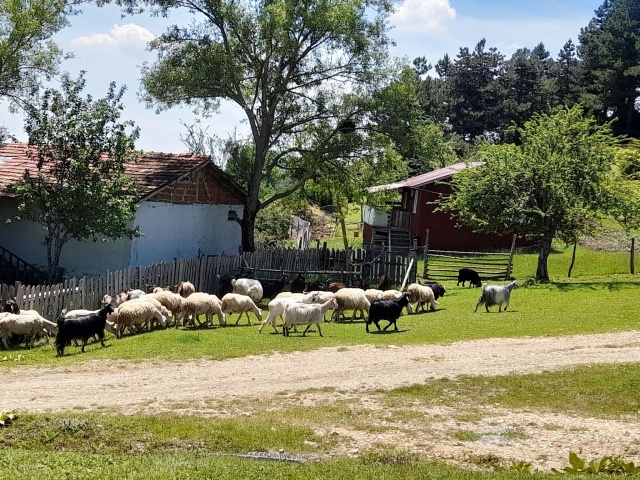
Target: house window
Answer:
[[232, 215], [415, 202]]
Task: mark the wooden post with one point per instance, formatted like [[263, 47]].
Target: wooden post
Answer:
[[510, 264], [633, 255], [406, 275], [426, 254]]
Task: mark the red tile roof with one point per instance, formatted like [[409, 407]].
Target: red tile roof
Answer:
[[152, 172], [427, 178]]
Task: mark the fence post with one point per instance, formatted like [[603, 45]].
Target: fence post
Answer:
[[510, 264], [426, 254]]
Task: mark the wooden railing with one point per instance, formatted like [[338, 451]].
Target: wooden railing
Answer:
[[400, 219], [15, 269]]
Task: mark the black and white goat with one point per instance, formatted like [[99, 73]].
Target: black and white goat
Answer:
[[496, 295]]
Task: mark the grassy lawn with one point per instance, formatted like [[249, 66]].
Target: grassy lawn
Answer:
[[600, 297]]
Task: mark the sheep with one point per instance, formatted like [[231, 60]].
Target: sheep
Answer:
[[185, 289], [271, 288], [249, 287], [350, 299], [335, 286], [420, 295], [136, 293], [170, 300], [384, 283], [26, 325], [395, 294], [82, 327], [389, 310], [288, 295], [200, 303], [138, 312], [438, 289], [306, 314], [298, 284], [467, 274], [496, 295], [234, 302], [115, 301], [373, 294], [277, 306]]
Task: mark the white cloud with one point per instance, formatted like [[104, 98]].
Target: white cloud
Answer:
[[119, 36], [422, 15]]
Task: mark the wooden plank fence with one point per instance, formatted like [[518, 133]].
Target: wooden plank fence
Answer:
[[443, 264], [317, 263]]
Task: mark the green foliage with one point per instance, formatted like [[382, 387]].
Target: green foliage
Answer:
[[7, 418], [272, 227], [610, 52], [605, 465], [80, 190], [283, 63], [550, 185], [27, 54]]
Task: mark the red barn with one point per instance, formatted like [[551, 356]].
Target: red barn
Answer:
[[407, 223]]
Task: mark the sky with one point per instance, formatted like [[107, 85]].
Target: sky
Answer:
[[110, 47]]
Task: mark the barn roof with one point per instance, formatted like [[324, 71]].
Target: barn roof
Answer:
[[426, 178], [152, 172]]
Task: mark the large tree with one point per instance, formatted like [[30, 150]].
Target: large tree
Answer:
[[610, 52], [293, 67], [552, 184], [80, 190], [27, 53]]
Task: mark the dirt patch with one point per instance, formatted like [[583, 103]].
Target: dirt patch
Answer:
[[351, 377], [608, 240]]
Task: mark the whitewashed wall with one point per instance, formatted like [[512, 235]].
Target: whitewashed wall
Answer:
[[184, 231], [24, 239]]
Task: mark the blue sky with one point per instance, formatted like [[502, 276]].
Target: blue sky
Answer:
[[112, 48]]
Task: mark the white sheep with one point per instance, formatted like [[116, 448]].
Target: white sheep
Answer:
[[185, 289], [306, 314], [31, 325], [396, 295], [277, 305], [420, 295], [373, 294], [234, 302], [351, 299], [137, 313], [496, 295], [249, 287], [200, 303], [171, 301]]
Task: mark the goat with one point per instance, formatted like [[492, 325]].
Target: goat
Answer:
[[389, 310], [468, 275], [496, 295], [83, 327]]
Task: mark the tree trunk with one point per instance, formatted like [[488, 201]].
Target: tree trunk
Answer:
[[573, 258], [542, 272], [247, 225]]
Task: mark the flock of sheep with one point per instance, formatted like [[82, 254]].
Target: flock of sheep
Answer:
[[136, 310]]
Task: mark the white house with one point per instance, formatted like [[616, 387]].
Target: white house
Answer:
[[187, 209]]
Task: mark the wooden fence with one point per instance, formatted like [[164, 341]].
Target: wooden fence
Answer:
[[205, 272], [442, 264]]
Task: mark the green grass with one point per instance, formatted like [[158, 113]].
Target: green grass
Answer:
[[20, 465], [592, 390], [582, 305]]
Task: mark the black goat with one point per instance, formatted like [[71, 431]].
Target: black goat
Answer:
[[438, 289], [271, 288], [83, 327], [297, 286], [468, 275], [316, 285], [389, 310]]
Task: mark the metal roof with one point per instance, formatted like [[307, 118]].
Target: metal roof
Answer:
[[426, 178]]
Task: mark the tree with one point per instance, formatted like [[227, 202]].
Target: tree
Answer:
[[610, 52], [293, 67], [551, 185], [27, 54], [80, 190]]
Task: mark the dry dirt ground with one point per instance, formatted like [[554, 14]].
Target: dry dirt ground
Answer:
[[353, 377]]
